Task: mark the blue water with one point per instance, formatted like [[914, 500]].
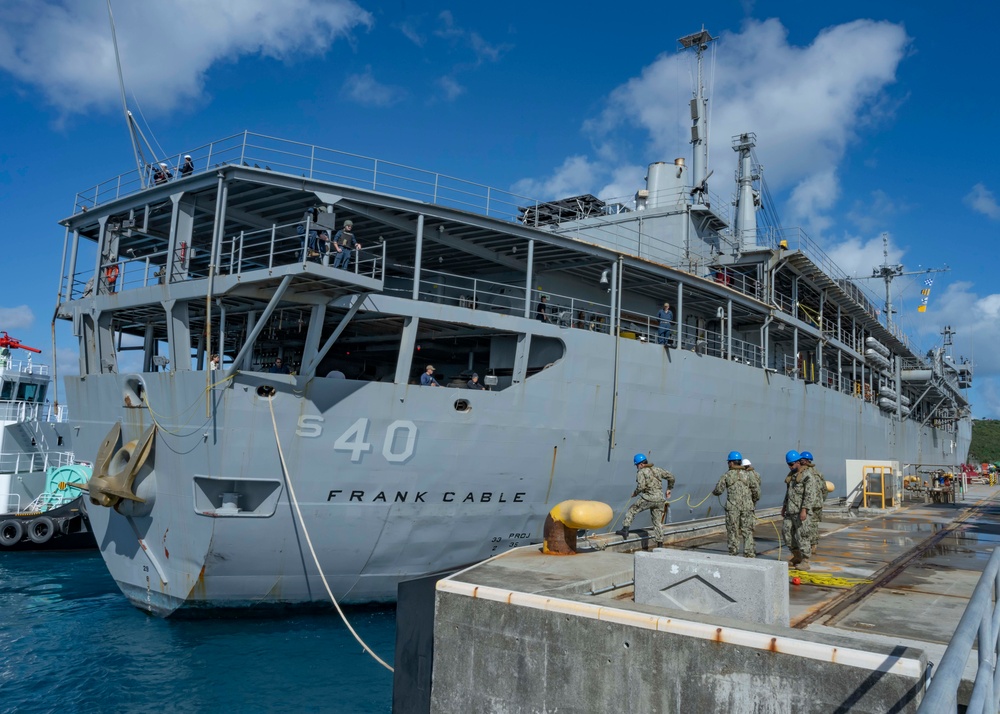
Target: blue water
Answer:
[[70, 642]]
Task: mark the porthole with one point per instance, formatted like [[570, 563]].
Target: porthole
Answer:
[[462, 405]]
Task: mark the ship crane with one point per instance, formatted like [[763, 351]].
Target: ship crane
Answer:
[[15, 344], [888, 272]]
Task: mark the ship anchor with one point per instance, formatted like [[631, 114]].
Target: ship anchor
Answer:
[[115, 470]]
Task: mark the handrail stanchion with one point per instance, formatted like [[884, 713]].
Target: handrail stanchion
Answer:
[[270, 253], [977, 620], [239, 263]]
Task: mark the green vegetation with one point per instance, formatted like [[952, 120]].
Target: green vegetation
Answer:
[[985, 441]]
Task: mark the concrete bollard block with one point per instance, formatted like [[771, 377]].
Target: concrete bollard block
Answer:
[[748, 589]]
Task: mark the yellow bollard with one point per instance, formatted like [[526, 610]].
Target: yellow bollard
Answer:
[[566, 518]]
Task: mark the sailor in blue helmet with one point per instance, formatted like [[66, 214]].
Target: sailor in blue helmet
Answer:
[[743, 491], [649, 489], [806, 459], [801, 497]]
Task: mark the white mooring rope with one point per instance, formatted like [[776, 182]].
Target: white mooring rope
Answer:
[[305, 532]]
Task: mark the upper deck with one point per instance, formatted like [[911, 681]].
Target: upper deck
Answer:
[[221, 260]]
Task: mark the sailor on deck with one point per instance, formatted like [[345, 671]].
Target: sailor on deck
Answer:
[[800, 498], [742, 485], [649, 489], [820, 483]]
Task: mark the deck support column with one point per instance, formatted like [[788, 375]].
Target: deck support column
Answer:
[[416, 261]]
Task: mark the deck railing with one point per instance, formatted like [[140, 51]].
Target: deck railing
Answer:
[[281, 244], [21, 462], [22, 410], [979, 628], [23, 366]]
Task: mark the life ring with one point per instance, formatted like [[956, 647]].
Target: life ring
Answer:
[[41, 530], [111, 274], [10, 532]]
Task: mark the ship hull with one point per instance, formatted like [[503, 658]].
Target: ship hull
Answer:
[[393, 481]]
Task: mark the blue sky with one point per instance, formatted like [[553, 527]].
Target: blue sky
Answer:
[[870, 118]]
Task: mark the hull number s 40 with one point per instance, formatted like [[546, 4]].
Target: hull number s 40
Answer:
[[398, 443]]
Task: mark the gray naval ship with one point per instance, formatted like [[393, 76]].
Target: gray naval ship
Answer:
[[213, 487]]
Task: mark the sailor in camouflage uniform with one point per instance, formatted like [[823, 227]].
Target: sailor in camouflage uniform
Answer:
[[801, 497], [649, 489], [742, 485], [820, 481]]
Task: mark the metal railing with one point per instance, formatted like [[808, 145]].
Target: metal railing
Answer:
[[979, 627], [25, 366], [22, 462], [281, 244], [18, 410]]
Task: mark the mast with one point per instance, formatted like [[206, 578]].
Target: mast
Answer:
[[887, 272], [129, 120], [699, 116], [747, 199]]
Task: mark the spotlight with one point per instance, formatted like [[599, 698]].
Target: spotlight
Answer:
[[604, 276]]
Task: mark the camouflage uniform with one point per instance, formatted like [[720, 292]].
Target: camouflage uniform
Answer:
[[798, 534], [817, 510], [743, 486], [649, 488]]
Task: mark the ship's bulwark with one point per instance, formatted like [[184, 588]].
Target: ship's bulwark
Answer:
[[394, 481]]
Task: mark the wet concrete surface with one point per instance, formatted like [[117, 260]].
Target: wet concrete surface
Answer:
[[923, 579], [921, 587]]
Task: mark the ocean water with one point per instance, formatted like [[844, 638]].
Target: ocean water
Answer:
[[70, 642]]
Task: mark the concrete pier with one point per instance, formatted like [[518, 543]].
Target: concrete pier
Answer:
[[531, 633]]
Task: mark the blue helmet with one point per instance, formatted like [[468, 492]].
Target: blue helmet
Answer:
[[734, 456], [806, 455], [792, 456], [639, 459]]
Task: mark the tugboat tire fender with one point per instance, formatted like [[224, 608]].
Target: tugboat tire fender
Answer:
[[10, 532], [64, 525], [41, 530]]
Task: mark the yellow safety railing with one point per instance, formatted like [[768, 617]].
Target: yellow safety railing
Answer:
[[871, 471]]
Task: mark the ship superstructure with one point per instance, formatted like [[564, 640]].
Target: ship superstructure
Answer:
[[771, 347]]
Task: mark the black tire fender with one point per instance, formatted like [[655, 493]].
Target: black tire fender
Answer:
[[41, 529], [64, 525], [11, 532]]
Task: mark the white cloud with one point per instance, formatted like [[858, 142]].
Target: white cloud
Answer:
[[410, 32], [803, 103], [67, 361], [812, 198], [877, 211], [857, 256], [451, 89], [16, 318], [577, 175], [483, 50], [976, 321], [982, 200], [64, 47], [364, 89]]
